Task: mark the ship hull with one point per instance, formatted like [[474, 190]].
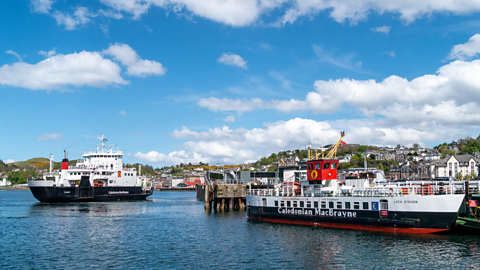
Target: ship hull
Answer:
[[93, 194], [431, 223], [424, 215]]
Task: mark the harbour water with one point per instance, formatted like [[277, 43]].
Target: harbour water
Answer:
[[172, 231]]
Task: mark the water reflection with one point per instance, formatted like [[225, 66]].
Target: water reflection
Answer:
[[173, 230]]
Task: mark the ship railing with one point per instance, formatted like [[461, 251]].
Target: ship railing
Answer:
[[261, 192], [104, 151], [392, 191]]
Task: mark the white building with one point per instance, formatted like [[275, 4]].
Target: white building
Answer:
[[451, 165], [5, 183]]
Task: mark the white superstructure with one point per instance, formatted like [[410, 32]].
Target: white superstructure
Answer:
[[103, 167]]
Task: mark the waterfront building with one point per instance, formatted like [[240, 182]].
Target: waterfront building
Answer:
[[450, 166]]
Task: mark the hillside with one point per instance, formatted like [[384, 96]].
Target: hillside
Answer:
[[33, 163]]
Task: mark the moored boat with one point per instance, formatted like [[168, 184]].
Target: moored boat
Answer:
[[99, 176], [356, 204]]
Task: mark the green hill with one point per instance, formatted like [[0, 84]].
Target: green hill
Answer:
[[33, 163]]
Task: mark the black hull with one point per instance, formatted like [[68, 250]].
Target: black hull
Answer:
[[405, 222], [92, 194]]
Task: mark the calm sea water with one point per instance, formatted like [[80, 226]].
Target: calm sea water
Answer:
[[172, 231]]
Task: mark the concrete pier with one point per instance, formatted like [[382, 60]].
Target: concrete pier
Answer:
[[223, 196]]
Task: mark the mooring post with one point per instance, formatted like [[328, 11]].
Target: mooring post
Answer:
[[207, 197]]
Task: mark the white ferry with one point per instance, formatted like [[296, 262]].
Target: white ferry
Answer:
[[356, 203], [99, 176]]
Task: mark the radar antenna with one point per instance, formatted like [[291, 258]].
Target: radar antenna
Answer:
[[103, 139]]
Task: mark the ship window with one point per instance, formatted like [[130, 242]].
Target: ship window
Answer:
[[71, 173], [264, 201], [347, 205], [331, 205], [315, 204], [324, 205], [289, 204], [295, 204], [356, 205], [282, 204], [339, 205], [333, 166], [326, 165], [365, 205], [276, 203], [309, 205], [302, 204], [317, 166]]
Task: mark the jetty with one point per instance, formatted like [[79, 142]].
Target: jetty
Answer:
[[223, 196]]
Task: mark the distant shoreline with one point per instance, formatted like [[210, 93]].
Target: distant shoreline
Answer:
[[12, 188]]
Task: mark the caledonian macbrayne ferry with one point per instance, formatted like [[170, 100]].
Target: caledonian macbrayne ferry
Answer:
[[356, 203], [99, 176]]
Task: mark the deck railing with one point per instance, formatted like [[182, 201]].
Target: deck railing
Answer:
[[397, 191]]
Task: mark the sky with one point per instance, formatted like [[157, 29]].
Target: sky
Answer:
[[231, 81]]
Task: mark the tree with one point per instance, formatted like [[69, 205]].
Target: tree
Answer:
[[459, 176], [362, 148], [372, 156], [416, 146]]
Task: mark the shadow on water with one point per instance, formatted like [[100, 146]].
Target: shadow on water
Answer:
[[92, 208]]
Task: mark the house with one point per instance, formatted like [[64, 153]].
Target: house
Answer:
[[453, 165], [346, 158], [5, 183], [186, 184]]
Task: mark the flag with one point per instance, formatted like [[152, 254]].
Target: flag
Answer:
[[282, 161], [472, 203], [343, 143]]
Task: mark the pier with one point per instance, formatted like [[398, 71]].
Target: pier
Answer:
[[223, 196]]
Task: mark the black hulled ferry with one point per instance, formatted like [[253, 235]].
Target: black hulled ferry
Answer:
[[356, 203], [99, 176]]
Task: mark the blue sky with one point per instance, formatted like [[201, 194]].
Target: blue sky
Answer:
[[220, 81]]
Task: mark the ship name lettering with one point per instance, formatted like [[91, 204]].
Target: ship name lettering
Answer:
[[410, 201], [318, 212]]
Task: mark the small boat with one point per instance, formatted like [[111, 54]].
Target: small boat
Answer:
[[99, 176], [468, 225]]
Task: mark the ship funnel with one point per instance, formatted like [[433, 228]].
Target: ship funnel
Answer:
[[65, 161]]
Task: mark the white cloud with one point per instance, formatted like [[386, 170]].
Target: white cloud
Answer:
[[239, 145], [122, 113], [52, 136], [390, 53], [240, 13], [42, 6], [235, 146], [110, 14], [382, 29], [9, 161], [266, 46], [343, 60], [448, 97], [48, 54], [355, 11], [80, 16], [229, 118], [467, 50], [233, 60], [59, 71], [135, 66], [14, 54]]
